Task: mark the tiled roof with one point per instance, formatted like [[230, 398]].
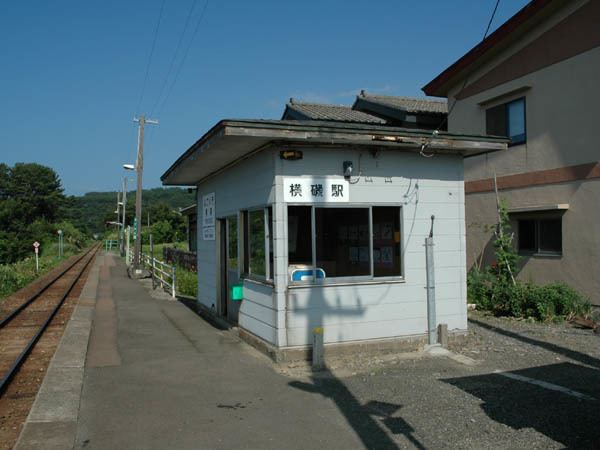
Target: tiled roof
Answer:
[[409, 104], [319, 111]]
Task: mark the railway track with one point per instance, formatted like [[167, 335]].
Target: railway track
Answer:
[[22, 327]]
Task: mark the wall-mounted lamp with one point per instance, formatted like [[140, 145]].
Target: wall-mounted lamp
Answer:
[[290, 155], [348, 168]]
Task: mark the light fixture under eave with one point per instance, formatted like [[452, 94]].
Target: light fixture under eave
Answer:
[[290, 155]]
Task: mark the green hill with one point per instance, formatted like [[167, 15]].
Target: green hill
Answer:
[[91, 211]]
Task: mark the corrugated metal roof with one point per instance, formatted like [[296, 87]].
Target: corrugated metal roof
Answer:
[[318, 111], [409, 104]]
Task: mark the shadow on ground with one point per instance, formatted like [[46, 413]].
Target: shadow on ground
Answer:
[[362, 418], [558, 415]]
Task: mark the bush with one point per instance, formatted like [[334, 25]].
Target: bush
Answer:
[[551, 302], [187, 282], [479, 288], [18, 275], [495, 288]]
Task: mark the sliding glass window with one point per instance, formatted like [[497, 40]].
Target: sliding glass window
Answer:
[[343, 243]]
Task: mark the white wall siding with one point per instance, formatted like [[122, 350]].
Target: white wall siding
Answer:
[[422, 187], [246, 185]]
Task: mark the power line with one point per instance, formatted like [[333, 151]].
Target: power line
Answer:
[[160, 14], [172, 64], [487, 29], [184, 57]]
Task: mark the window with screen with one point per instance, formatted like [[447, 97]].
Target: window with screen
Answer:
[[507, 119]]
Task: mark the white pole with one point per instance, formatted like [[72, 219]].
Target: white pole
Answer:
[[430, 270]]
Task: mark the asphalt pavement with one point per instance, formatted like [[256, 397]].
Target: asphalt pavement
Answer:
[[159, 376]]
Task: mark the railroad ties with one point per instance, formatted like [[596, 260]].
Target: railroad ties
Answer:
[[22, 327]]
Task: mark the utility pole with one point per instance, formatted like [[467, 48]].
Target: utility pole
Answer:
[[118, 207], [124, 215], [139, 168]]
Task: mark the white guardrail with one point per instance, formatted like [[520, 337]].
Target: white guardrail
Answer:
[[162, 273]]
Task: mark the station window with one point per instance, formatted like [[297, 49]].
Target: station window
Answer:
[[507, 119], [386, 241], [258, 243], [349, 242], [300, 235], [232, 243], [343, 241], [541, 236]]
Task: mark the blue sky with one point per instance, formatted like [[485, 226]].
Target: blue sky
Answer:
[[72, 71]]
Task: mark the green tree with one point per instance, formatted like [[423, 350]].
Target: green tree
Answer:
[[31, 198], [37, 190]]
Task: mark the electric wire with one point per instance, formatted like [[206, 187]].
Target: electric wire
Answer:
[[445, 119], [182, 63], [160, 14], [174, 58]]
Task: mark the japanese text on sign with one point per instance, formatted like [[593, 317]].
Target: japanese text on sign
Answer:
[[315, 190], [208, 210]]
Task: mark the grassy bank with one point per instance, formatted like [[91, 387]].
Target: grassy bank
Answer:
[[18, 275]]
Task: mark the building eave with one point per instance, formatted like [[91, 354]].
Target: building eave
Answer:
[[231, 141], [510, 31]]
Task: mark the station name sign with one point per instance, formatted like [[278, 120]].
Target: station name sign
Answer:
[[315, 190]]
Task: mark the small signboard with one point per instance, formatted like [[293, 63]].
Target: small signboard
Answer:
[[316, 190], [36, 246], [208, 233], [208, 210], [208, 217]]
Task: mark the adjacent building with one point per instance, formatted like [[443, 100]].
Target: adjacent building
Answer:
[[535, 80], [320, 221]]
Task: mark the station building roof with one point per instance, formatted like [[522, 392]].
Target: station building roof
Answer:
[[231, 141]]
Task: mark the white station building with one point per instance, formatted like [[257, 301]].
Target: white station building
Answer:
[[323, 224]]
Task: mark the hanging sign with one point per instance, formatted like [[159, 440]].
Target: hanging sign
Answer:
[[315, 190]]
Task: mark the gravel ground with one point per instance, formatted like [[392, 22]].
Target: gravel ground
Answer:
[[478, 399]]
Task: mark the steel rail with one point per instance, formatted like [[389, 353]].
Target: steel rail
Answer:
[[21, 358], [5, 320]]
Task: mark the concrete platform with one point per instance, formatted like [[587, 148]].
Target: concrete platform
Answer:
[[156, 375]]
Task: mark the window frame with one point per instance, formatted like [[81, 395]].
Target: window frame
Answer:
[[537, 240], [505, 105], [370, 278], [268, 276]]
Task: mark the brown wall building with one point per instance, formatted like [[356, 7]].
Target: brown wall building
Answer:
[[535, 80]]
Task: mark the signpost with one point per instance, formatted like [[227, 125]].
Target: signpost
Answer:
[[60, 244], [36, 249]]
